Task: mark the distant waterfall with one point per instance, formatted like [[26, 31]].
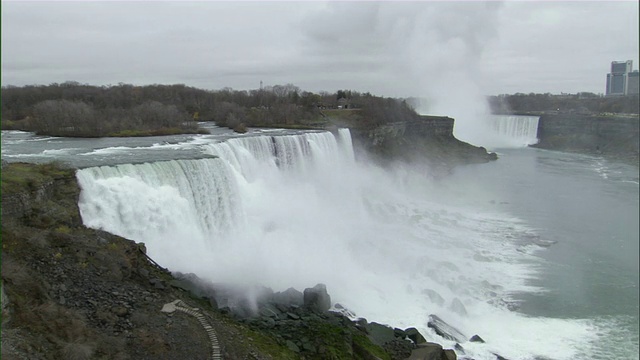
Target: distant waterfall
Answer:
[[515, 130], [497, 131]]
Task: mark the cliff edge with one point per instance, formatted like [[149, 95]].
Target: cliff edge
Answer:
[[613, 136], [427, 139]]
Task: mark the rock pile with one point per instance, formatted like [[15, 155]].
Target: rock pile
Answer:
[[308, 325]]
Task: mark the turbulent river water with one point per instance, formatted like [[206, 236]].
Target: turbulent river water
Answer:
[[536, 252]]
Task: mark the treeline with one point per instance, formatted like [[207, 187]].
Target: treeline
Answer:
[[584, 102], [74, 109]]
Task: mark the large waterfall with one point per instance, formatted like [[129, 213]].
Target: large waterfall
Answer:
[[515, 129], [296, 210], [498, 131]]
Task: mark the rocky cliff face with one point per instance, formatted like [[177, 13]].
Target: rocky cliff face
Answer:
[[614, 136], [428, 140]]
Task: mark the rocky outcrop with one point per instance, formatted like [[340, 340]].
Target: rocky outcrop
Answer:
[[445, 330], [40, 195], [311, 328], [610, 135], [428, 140], [432, 351], [317, 299]]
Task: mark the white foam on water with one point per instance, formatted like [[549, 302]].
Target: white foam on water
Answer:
[[296, 210], [58, 152], [108, 150]]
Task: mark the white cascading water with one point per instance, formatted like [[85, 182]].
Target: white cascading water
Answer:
[[296, 210], [518, 131], [498, 131]]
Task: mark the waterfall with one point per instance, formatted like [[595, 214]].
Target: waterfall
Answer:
[[295, 210], [181, 198], [498, 131], [516, 130], [202, 202]]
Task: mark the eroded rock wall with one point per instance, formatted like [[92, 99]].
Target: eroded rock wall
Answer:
[[429, 140], [591, 134]]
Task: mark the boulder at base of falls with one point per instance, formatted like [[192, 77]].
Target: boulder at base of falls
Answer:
[[288, 297], [432, 351], [445, 330], [415, 336], [317, 299], [476, 338], [380, 334]]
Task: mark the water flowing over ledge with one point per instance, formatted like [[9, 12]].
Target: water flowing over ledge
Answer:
[[293, 210]]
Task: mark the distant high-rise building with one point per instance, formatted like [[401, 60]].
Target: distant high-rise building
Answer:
[[633, 83], [621, 78]]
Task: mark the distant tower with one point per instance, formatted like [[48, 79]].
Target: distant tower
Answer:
[[260, 84], [618, 78], [633, 83]]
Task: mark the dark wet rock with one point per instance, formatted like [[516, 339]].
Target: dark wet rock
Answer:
[[448, 353], [293, 316], [143, 272], [308, 346], [399, 348], [157, 283], [380, 334], [269, 310], [399, 333], [240, 128], [120, 311], [445, 330], [431, 351], [415, 336], [292, 346], [344, 311], [269, 323], [476, 338], [317, 299], [288, 297]]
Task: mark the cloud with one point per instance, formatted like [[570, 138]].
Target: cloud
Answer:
[[387, 48]]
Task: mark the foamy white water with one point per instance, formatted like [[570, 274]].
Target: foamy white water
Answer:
[[295, 210]]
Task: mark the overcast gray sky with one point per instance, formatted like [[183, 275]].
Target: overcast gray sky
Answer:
[[387, 48]]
